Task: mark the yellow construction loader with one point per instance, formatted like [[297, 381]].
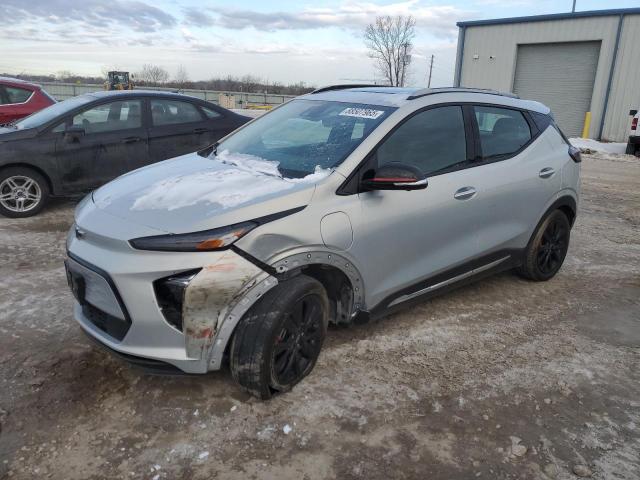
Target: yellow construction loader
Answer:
[[118, 81]]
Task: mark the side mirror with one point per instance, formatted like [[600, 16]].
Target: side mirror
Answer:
[[394, 176], [73, 133]]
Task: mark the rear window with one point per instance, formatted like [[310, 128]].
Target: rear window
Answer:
[[17, 95], [502, 131], [542, 121]]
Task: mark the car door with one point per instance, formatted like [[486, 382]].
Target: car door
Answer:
[[100, 143], [404, 238], [517, 177], [177, 127]]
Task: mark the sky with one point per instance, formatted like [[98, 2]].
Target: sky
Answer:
[[318, 43]]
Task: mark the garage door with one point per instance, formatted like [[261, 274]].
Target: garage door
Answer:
[[561, 76]]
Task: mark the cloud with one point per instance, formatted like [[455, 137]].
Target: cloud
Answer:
[[197, 17], [135, 15], [441, 20]]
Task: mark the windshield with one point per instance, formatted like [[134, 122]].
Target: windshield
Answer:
[[45, 115], [305, 134]]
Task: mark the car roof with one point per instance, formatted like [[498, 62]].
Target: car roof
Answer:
[[18, 82], [400, 96], [146, 93]]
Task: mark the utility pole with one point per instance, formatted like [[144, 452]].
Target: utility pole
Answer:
[[573, 10], [405, 61], [430, 70]]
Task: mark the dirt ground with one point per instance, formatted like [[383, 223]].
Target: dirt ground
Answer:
[[502, 379]]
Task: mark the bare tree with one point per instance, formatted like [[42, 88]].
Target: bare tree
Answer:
[[181, 79], [65, 76], [389, 43], [153, 74]]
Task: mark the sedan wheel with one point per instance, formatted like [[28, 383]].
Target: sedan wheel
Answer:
[[22, 192]]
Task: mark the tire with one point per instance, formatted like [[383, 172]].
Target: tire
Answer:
[[23, 192], [270, 352], [547, 248]]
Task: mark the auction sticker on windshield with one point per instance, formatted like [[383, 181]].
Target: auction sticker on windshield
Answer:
[[361, 113]]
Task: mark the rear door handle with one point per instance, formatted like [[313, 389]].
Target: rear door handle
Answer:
[[464, 193], [546, 172], [200, 130], [131, 139]]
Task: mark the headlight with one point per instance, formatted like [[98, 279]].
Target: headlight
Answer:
[[216, 239]]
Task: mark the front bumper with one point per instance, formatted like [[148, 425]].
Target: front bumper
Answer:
[[122, 283]]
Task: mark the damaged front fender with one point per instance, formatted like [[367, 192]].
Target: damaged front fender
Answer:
[[208, 297]]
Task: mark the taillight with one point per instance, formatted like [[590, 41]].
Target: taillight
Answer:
[[634, 123], [574, 153]]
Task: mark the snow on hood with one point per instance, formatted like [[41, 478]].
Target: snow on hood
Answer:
[[191, 193], [253, 177]]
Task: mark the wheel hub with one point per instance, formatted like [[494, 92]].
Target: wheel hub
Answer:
[[20, 193]]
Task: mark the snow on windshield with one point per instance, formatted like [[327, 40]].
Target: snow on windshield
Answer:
[[249, 177]]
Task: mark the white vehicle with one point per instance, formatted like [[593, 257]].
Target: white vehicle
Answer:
[[633, 145]]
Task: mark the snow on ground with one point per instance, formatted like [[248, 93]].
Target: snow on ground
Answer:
[[584, 143]]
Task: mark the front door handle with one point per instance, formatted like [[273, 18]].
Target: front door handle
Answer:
[[464, 193], [546, 172], [131, 139], [200, 130]]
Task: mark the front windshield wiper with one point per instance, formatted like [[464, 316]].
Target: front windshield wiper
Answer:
[[208, 151]]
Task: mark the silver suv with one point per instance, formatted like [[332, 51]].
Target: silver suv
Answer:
[[341, 205]]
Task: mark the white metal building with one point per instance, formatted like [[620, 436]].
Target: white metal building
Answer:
[[573, 62]]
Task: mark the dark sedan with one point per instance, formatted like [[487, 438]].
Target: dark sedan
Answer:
[[79, 144]]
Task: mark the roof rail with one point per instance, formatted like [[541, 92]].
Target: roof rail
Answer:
[[432, 91], [328, 88]]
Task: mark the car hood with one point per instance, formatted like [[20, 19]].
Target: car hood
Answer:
[[192, 193]]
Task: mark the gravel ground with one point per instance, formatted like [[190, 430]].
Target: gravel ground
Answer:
[[502, 379]]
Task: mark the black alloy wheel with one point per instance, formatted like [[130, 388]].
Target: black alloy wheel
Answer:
[[547, 248], [299, 341]]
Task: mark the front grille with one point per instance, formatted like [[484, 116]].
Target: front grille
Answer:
[[113, 326]]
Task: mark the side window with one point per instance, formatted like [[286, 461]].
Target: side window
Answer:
[[3, 96], [210, 113], [171, 112], [502, 131], [17, 95], [432, 140], [61, 127], [110, 117]]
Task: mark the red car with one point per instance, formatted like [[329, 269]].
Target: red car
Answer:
[[19, 99]]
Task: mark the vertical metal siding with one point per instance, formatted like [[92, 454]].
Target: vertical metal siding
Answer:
[[560, 75], [501, 42], [625, 88]]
